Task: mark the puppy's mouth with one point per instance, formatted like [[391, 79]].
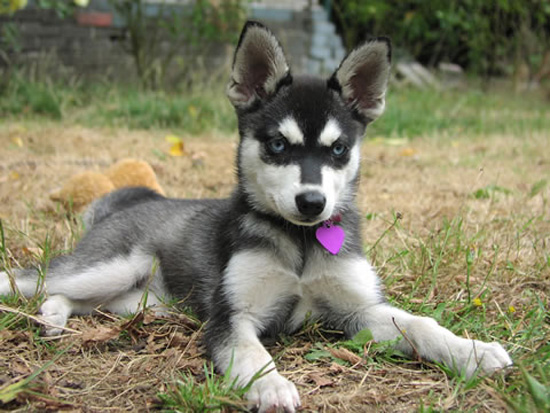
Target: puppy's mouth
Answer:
[[310, 222], [305, 221]]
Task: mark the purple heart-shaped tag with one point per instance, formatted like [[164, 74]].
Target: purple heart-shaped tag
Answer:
[[331, 237]]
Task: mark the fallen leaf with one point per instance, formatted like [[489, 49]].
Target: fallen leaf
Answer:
[[408, 152], [346, 355], [320, 380], [178, 340], [17, 141], [100, 334], [177, 148]]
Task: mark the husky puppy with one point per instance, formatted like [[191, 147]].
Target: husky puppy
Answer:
[[285, 246]]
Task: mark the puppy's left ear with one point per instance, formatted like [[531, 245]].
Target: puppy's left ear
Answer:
[[259, 66], [362, 78]]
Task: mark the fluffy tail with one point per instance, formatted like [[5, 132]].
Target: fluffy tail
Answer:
[[117, 201]]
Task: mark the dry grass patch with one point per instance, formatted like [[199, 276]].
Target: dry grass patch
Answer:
[[477, 261]]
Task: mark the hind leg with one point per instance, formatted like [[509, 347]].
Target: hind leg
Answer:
[[133, 301], [117, 284], [26, 283], [57, 309]]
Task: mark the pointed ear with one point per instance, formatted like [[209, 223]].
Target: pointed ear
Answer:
[[362, 78], [258, 68]]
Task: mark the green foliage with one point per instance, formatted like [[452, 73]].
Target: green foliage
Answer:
[[536, 398], [490, 191], [9, 41], [11, 6], [62, 7], [118, 106], [158, 42], [411, 112], [538, 187], [27, 385], [215, 394], [479, 35], [40, 98], [193, 113], [358, 346]]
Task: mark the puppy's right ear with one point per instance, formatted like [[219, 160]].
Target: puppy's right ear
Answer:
[[259, 66]]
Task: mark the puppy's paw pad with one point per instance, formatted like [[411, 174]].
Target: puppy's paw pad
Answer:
[[273, 393]]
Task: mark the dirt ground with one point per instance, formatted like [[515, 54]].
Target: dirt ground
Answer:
[[426, 180]]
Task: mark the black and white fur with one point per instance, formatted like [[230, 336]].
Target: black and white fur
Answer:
[[250, 265]]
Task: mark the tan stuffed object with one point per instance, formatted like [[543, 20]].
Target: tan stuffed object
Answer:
[[129, 172], [83, 188]]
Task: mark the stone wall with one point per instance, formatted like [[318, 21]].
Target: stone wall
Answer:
[[64, 45], [92, 42]]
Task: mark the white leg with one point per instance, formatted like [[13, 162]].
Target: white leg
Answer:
[[433, 342], [132, 301], [258, 284], [246, 356], [27, 286], [103, 281], [349, 291]]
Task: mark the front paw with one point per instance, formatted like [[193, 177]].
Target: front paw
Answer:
[[474, 355], [273, 393]]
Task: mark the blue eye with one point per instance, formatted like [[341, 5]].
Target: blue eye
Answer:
[[338, 149], [277, 145]]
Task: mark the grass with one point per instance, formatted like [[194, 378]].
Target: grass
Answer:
[[455, 200], [453, 113], [215, 393], [105, 105], [410, 112]]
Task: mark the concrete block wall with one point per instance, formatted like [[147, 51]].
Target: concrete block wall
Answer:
[[309, 38]]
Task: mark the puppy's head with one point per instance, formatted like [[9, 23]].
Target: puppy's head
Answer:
[[300, 136]]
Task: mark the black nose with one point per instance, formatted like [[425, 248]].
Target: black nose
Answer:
[[310, 204]]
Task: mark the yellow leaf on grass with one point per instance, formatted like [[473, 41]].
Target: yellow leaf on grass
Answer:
[[177, 147], [17, 141], [14, 176], [408, 152], [172, 138]]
